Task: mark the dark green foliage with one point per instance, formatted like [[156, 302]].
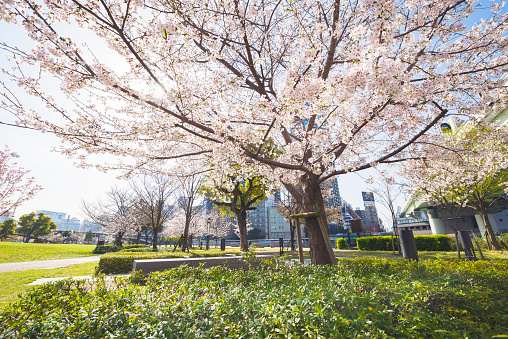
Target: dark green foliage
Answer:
[[359, 298], [438, 242], [342, 244], [121, 262], [89, 237], [8, 227], [32, 227], [106, 249]]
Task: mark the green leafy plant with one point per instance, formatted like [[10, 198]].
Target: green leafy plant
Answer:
[[359, 298]]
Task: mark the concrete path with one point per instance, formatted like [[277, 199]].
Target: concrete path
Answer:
[[46, 264]]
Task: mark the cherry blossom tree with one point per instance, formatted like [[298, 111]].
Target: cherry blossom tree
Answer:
[[15, 186], [465, 169], [115, 213], [152, 196], [179, 222], [220, 224], [336, 86]]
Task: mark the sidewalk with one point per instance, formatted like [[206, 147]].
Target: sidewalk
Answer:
[[46, 264]]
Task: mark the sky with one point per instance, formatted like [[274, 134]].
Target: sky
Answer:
[[65, 186]]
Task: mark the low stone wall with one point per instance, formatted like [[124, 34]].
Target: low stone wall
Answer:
[[232, 262]]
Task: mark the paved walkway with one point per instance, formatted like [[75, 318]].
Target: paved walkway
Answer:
[[46, 264]]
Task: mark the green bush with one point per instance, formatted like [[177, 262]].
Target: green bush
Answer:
[[438, 242], [138, 249], [121, 262], [128, 247], [342, 244], [106, 249], [359, 298], [375, 243]]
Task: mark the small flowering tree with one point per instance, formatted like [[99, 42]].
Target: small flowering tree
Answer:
[[334, 86], [15, 186], [115, 214], [152, 207], [468, 168], [175, 227]]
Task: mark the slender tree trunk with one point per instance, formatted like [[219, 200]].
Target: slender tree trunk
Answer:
[[312, 197], [185, 235], [292, 229], [241, 217], [154, 240], [490, 231]]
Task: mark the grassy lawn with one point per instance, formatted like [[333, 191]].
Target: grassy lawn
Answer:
[[14, 283], [17, 252]]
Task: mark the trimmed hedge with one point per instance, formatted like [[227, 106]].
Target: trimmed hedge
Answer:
[[106, 249], [127, 247], [438, 242], [342, 244], [121, 262]]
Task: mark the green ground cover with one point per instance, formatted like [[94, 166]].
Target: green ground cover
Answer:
[[359, 298], [18, 252], [14, 283]]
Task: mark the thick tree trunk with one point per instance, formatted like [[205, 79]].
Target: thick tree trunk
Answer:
[[241, 217], [312, 197], [490, 231], [118, 239], [138, 237]]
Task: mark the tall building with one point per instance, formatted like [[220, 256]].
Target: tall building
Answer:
[[369, 216], [333, 202], [259, 218], [63, 221]]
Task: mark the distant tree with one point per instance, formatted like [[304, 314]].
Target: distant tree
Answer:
[[152, 196], [220, 225], [115, 214], [187, 194], [31, 227], [15, 186], [76, 237], [66, 234], [256, 233], [53, 238], [179, 221], [89, 236], [8, 227], [237, 196]]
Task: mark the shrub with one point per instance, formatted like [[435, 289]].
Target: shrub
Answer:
[[342, 244], [121, 262], [106, 249], [438, 242], [128, 247], [139, 249], [375, 243]]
